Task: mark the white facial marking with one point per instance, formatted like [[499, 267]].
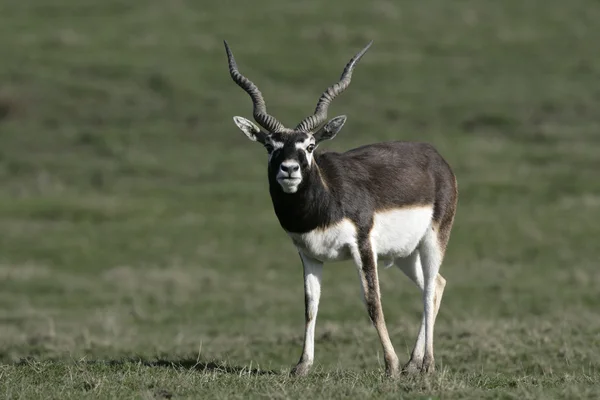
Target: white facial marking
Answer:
[[289, 176], [276, 145], [302, 146]]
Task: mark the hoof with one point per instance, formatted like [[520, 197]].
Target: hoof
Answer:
[[428, 366], [392, 373], [391, 369], [411, 368], [301, 369]]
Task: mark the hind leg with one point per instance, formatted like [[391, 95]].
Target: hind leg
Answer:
[[431, 255], [411, 266]]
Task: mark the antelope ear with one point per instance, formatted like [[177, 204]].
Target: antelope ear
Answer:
[[250, 129], [330, 129]]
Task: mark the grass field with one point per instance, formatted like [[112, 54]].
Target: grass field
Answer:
[[139, 253]]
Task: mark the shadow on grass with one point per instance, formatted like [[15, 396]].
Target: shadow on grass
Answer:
[[187, 363], [207, 366]]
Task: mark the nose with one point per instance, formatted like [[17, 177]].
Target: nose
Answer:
[[289, 168]]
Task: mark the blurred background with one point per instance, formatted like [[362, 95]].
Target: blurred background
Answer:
[[135, 219]]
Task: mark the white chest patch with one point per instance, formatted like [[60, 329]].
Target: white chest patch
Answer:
[[395, 234], [334, 243]]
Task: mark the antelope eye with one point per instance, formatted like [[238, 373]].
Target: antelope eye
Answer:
[[269, 148], [310, 148]]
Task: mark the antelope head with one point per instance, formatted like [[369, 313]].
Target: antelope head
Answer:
[[291, 151]]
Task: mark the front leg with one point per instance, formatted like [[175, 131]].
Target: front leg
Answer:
[[366, 263], [313, 270]]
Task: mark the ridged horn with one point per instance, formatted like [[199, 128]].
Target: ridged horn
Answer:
[[270, 123], [320, 114]]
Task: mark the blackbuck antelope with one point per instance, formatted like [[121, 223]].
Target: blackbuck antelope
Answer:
[[392, 202]]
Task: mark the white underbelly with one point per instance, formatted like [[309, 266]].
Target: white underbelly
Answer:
[[395, 234]]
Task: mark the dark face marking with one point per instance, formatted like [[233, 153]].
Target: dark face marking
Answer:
[[290, 158]]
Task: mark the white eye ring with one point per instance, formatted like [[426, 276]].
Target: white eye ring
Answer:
[[310, 148]]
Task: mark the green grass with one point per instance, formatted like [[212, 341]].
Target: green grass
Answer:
[[139, 253]]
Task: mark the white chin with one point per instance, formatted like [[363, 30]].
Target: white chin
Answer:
[[289, 185]]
